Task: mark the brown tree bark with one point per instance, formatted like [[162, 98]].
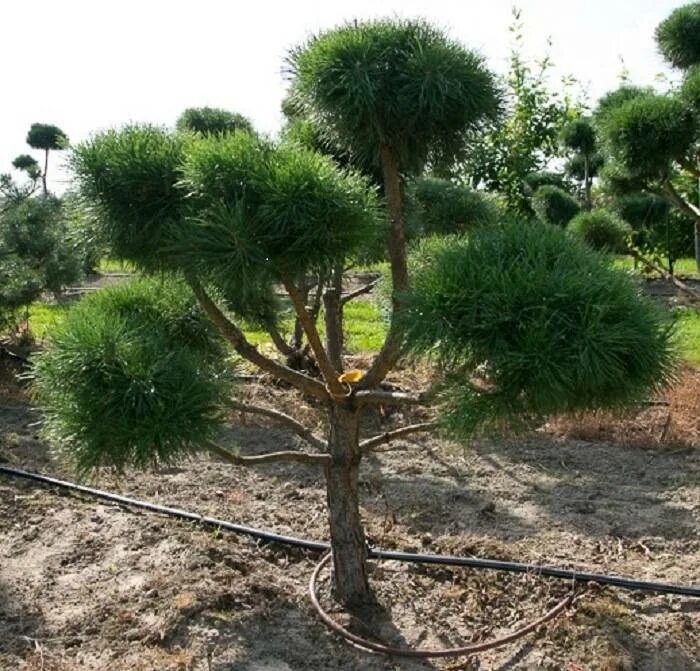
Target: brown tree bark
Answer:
[[351, 586]]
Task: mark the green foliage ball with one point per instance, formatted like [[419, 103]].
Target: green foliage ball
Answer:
[[554, 206], [576, 165], [535, 180], [26, 162], [212, 120], [394, 82], [130, 377], [601, 230], [46, 136], [271, 212], [648, 132], [439, 206], [130, 176], [690, 90], [678, 36], [527, 321], [616, 98], [579, 135]]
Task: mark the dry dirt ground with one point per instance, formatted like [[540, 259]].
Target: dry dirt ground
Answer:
[[89, 586]]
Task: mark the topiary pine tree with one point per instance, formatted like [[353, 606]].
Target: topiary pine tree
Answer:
[[654, 139], [212, 120], [579, 137], [46, 137], [520, 319]]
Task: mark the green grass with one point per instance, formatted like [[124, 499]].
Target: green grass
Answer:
[[114, 266], [689, 335], [43, 316], [365, 327]]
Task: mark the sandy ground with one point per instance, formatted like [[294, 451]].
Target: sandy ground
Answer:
[[86, 585]]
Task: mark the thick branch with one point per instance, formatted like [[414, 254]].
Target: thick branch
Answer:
[[280, 343], [358, 292], [269, 458], [333, 318], [237, 338], [371, 443], [281, 417], [681, 203], [327, 370], [391, 349], [378, 397], [666, 275]]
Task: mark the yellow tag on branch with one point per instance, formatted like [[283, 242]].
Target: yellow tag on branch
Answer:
[[351, 376]]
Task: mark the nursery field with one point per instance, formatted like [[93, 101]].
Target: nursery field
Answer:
[[86, 585]]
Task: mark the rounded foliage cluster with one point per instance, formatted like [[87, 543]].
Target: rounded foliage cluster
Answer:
[[649, 131], [579, 135], [690, 90], [555, 206], [212, 120], [261, 211], [438, 206], [601, 230], [129, 377], [46, 136], [616, 98], [130, 175], [535, 180], [576, 165], [398, 83], [678, 36], [528, 321]]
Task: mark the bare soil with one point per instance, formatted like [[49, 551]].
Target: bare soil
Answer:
[[90, 586]]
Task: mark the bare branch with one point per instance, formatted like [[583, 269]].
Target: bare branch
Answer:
[[281, 417], [379, 397], [391, 349], [269, 458], [681, 203], [237, 338], [367, 288], [371, 443], [280, 343], [327, 370], [666, 275]]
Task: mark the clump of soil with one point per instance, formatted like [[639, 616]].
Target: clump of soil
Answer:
[[91, 586]]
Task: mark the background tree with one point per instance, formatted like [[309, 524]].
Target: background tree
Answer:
[[579, 138], [46, 137], [654, 138], [524, 139], [36, 255], [211, 120], [554, 206], [510, 314]]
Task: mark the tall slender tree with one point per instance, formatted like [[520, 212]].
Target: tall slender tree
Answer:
[[49, 138]]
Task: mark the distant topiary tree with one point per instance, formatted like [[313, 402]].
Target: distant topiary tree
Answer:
[[579, 138], [520, 319], [35, 255], [46, 137], [211, 120], [602, 230], [555, 206], [653, 139], [439, 206]]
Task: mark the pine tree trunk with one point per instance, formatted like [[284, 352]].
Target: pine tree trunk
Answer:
[[697, 245], [43, 174], [351, 587]]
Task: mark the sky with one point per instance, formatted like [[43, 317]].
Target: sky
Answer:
[[87, 65]]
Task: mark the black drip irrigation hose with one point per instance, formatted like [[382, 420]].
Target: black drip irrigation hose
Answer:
[[373, 553]]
